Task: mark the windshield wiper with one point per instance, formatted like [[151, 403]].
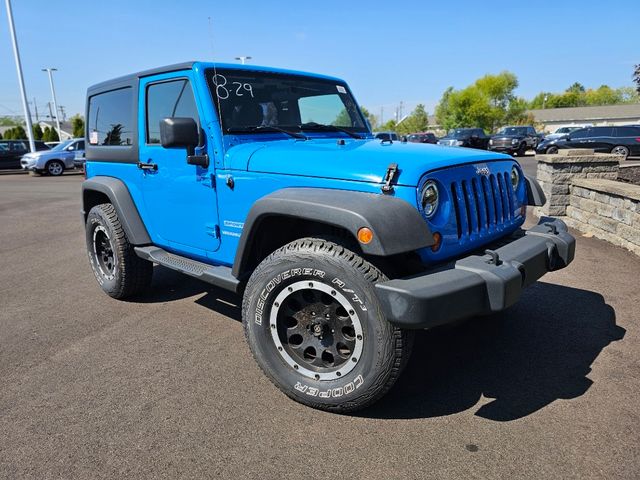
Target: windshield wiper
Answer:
[[266, 128], [328, 128]]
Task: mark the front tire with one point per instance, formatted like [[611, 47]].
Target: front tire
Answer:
[[315, 327], [55, 168], [552, 150], [119, 271]]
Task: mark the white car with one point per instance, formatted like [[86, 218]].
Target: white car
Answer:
[[55, 161], [561, 132]]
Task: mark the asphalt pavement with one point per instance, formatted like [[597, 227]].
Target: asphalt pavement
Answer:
[[165, 387]]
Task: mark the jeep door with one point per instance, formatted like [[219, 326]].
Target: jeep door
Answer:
[[180, 199]]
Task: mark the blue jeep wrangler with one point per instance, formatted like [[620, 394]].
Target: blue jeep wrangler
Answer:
[[269, 183]]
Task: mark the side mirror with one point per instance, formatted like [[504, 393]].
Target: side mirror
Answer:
[[180, 132]]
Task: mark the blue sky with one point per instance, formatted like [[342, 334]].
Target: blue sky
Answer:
[[387, 52]]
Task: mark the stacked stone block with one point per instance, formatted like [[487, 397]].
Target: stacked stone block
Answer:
[[556, 173]]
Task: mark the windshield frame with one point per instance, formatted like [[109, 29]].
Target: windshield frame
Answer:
[[341, 87]]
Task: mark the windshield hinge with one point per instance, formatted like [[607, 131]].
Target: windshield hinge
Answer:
[[392, 170]]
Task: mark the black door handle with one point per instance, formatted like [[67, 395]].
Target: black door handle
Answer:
[[147, 166]]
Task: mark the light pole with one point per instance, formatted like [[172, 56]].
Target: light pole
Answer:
[[23, 92], [53, 95], [243, 59]]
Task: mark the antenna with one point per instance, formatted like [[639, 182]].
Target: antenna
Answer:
[[215, 75], [211, 36]]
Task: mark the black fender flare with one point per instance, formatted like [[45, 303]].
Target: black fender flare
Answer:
[[397, 226], [120, 198], [535, 194]]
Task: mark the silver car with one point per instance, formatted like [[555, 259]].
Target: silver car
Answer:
[[55, 161]]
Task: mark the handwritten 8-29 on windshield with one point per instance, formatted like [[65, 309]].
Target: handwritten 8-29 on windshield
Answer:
[[225, 89]]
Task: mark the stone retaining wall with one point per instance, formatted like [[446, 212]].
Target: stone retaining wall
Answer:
[[607, 209], [556, 172]]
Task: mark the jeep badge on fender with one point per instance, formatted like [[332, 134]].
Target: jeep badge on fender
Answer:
[[269, 183]]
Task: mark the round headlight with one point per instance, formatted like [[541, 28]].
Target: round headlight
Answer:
[[429, 198], [515, 177], [514, 141]]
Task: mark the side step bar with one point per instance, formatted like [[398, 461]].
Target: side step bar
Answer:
[[216, 275]]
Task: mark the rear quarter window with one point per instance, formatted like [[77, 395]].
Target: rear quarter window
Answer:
[[110, 121], [627, 132]]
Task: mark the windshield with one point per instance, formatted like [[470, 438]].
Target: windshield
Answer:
[[513, 131], [254, 101], [459, 132], [61, 146]]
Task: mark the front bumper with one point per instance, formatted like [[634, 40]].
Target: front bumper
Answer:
[[478, 284], [510, 149]]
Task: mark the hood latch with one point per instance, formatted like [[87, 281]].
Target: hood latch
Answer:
[[390, 174]]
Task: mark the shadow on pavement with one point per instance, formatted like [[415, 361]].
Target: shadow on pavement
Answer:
[[169, 286], [521, 360]]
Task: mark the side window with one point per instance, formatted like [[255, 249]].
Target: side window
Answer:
[[110, 121], [18, 146], [582, 133], [168, 99], [531, 131], [628, 132], [80, 145], [602, 132]]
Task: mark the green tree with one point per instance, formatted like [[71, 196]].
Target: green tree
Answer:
[[577, 87], [46, 134], [15, 133], [77, 122], [388, 126], [488, 103], [417, 121], [53, 135], [0, 136], [603, 95], [636, 77], [373, 120], [37, 132]]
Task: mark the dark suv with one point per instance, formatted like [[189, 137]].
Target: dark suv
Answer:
[[11, 151], [622, 140], [426, 137], [465, 137], [514, 140]]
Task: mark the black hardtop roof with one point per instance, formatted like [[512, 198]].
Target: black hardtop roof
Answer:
[[129, 80]]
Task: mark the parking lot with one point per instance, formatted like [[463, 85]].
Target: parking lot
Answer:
[[165, 387]]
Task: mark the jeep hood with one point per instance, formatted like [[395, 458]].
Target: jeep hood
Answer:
[[356, 160]]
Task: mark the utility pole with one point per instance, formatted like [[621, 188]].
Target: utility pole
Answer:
[[64, 117], [23, 91], [50, 111], [53, 95], [35, 106]]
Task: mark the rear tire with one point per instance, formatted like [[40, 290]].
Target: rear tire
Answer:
[[522, 150], [119, 271], [620, 150], [55, 168], [316, 329]]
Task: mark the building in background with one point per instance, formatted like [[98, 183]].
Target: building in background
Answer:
[[554, 118]]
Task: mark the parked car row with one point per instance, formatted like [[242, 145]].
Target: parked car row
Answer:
[[11, 151], [54, 161]]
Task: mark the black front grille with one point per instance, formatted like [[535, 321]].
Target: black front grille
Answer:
[[482, 204]]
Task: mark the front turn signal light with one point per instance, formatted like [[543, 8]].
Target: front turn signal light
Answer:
[[365, 235], [437, 241]]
